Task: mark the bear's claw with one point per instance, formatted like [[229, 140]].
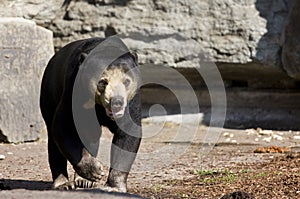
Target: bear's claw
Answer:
[[83, 183]]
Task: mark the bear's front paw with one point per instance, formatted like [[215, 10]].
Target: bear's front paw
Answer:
[[89, 168], [116, 181], [108, 188]]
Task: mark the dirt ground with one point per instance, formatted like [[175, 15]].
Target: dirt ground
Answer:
[[175, 161]]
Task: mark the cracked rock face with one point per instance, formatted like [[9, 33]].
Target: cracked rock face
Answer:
[[175, 33]]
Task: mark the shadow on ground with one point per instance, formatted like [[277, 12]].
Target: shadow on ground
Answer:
[[36, 189], [9, 184]]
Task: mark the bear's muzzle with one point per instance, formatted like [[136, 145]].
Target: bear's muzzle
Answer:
[[116, 108]]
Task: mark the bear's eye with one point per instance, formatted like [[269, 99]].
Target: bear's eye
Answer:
[[127, 82], [101, 85]]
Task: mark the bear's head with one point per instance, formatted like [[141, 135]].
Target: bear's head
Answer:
[[117, 85]]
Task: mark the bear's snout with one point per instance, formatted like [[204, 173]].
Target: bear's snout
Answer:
[[117, 102], [116, 107]]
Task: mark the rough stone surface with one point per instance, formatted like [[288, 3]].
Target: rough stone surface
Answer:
[[167, 31], [291, 43], [25, 49]]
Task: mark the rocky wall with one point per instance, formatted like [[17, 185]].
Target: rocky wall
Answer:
[[174, 32]]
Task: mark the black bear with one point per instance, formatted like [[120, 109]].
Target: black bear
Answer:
[[87, 79]]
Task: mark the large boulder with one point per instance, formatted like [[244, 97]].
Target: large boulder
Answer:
[[25, 49]]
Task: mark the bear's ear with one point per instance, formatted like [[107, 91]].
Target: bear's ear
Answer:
[[134, 56], [82, 57]]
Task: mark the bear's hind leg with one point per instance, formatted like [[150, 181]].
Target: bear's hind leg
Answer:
[[58, 166]]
